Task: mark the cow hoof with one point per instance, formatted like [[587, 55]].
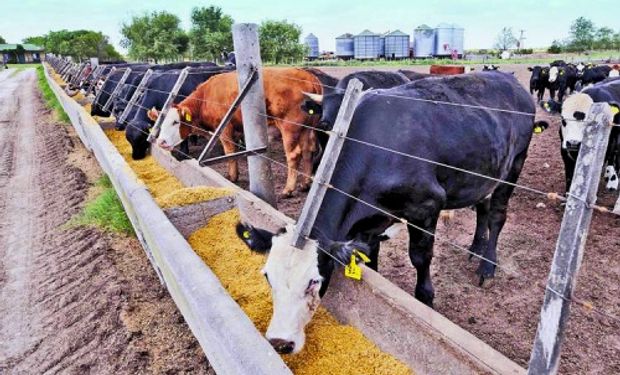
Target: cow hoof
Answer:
[[425, 297], [485, 270]]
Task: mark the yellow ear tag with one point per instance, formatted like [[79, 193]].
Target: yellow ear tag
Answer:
[[352, 270], [361, 255], [614, 110], [311, 111], [188, 117], [246, 234], [546, 105], [537, 129]]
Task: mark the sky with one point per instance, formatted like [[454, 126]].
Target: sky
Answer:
[[542, 20]]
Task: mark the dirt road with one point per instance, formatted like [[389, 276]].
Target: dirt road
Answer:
[[72, 300]]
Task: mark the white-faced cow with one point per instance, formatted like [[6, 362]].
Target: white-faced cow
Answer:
[[492, 143]]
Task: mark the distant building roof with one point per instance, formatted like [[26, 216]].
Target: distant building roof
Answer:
[[345, 36], [367, 33], [396, 33], [27, 47]]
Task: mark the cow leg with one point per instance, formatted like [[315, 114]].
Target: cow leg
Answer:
[[569, 168], [229, 148], [421, 255], [308, 148], [481, 238], [292, 150], [497, 219]]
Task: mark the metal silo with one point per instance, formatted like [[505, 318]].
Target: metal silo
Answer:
[[423, 41], [396, 45], [344, 46], [382, 45], [313, 46], [366, 45], [448, 38]]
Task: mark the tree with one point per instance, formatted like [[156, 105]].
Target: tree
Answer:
[[616, 41], [582, 33], [2, 41], [279, 40], [505, 39], [211, 32], [604, 38], [79, 44], [36, 40], [556, 47], [155, 36]]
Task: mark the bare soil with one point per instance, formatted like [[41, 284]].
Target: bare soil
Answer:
[[72, 299], [505, 312]]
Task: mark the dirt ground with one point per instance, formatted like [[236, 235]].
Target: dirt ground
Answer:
[[505, 312], [72, 300]]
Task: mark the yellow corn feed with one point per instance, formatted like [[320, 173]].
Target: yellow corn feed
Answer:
[[330, 347]]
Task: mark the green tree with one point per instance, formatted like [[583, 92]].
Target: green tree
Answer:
[[556, 47], [211, 32], [279, 41], [582, 33], [505, 39], [616, 41], [36, 40], [604, 38], [2, 41], [155, 36], [79, 44]]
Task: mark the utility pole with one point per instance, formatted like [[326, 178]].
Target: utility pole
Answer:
[[521, 39]]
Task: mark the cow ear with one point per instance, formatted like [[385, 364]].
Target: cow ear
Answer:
[[317, 98], [258, 240], [152, 114], [615, 111], [551, 106], [530, 68], [343, 250], [185, 114], [540, 126]]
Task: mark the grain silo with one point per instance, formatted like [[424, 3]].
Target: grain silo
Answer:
[[423, 41], [396, 45], [382, 45], [448, 39], [313, 46], [366, 45], [344, 46]]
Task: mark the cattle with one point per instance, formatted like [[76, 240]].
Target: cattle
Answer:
[[573, 112], [143, 115], [107, 87], [414, 76], [562, 78], [450, 69], [594, 74], [615, 71], [491, 143], [283, 89], [491, 67], [539, 81]]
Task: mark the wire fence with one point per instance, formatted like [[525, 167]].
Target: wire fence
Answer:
[[588, 306]]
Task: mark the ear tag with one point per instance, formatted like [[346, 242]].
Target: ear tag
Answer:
[[352, 270], [561, 73], [188, 117], [246, 234], [361, 255], [537, 130], [311, 111], [614, 110]]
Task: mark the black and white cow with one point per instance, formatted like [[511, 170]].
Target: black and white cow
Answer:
[[573, 112], [491, 67], [140, 121], [539, 81], [489, 142], [108, 84], [594, 74], [562, 78]]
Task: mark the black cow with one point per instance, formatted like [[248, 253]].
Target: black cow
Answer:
[[539, 81], [594, 74], [111, 81], [489, 142], [491, 67], [562, 78], [157, 89], [573, 112]]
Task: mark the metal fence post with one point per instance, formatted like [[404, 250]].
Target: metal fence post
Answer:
[[328, 164], [247, 52], [117, 89], [545, 357], [168, 104], [135, 97]]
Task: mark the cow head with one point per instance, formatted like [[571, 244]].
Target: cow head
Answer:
[[298, 279], [175, 127], [554, 73], [326, 105], [487, 68], [136, 134]]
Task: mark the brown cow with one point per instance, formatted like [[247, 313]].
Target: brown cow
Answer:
[[449, 69], [284, 88]]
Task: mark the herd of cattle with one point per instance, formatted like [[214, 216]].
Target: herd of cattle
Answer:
[[410, 138]]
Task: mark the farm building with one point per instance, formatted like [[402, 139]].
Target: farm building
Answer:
[[345, 46], [423, 42], [396, 45], [21, 53], [312, 42], [366, 45], [449, 40]]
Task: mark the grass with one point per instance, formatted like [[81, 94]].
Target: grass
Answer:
[[50, 98], [23, 66], [105, 211]]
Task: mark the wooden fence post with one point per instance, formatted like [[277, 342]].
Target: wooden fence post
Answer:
[[545, 357], [328, 164], [247, 53]]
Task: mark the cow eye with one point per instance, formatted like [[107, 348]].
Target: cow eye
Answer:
[[311, 283], [563, 122], [267, 278]]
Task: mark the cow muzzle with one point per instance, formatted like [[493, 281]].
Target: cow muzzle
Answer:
[[282, 346], [163, 144], [573, 146]]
